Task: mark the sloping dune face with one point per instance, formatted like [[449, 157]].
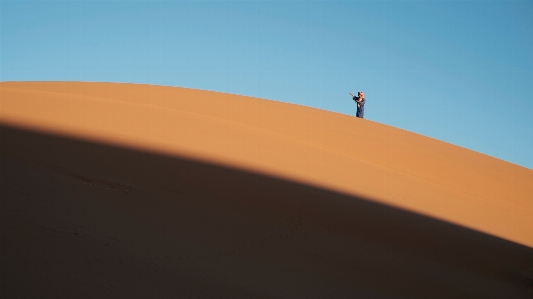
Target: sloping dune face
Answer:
[[146, 190]]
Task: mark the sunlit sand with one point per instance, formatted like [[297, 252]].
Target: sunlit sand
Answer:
[[239, 197]]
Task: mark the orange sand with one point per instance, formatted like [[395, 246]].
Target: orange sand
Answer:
[[268, 188]]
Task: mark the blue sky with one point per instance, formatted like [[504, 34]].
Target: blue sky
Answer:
[[457, 71]]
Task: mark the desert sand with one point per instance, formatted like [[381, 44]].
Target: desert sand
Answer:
[[126, 190]]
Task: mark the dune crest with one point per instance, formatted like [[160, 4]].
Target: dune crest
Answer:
[[329, 150], [138, 191]]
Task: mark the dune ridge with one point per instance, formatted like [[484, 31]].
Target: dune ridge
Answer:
[[326, 149], [125, 190]]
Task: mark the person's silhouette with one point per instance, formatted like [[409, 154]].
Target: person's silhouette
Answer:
[[360, 100]]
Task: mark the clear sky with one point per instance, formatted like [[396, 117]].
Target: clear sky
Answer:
[[457, 71]]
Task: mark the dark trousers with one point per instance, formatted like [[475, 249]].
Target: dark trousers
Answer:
[[360, 112]]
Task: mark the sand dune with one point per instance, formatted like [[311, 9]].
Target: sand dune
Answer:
[[115, 190]]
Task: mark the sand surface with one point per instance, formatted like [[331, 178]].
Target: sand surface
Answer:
[[122, 190]]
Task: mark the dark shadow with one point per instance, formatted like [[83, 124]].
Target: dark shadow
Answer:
[[87, 220]]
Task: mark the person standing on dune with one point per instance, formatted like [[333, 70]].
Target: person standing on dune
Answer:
[[360, 100]]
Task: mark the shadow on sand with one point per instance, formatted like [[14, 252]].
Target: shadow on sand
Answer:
[[87, 220]]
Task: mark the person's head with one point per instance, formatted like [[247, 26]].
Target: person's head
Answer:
[[360, 94]]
